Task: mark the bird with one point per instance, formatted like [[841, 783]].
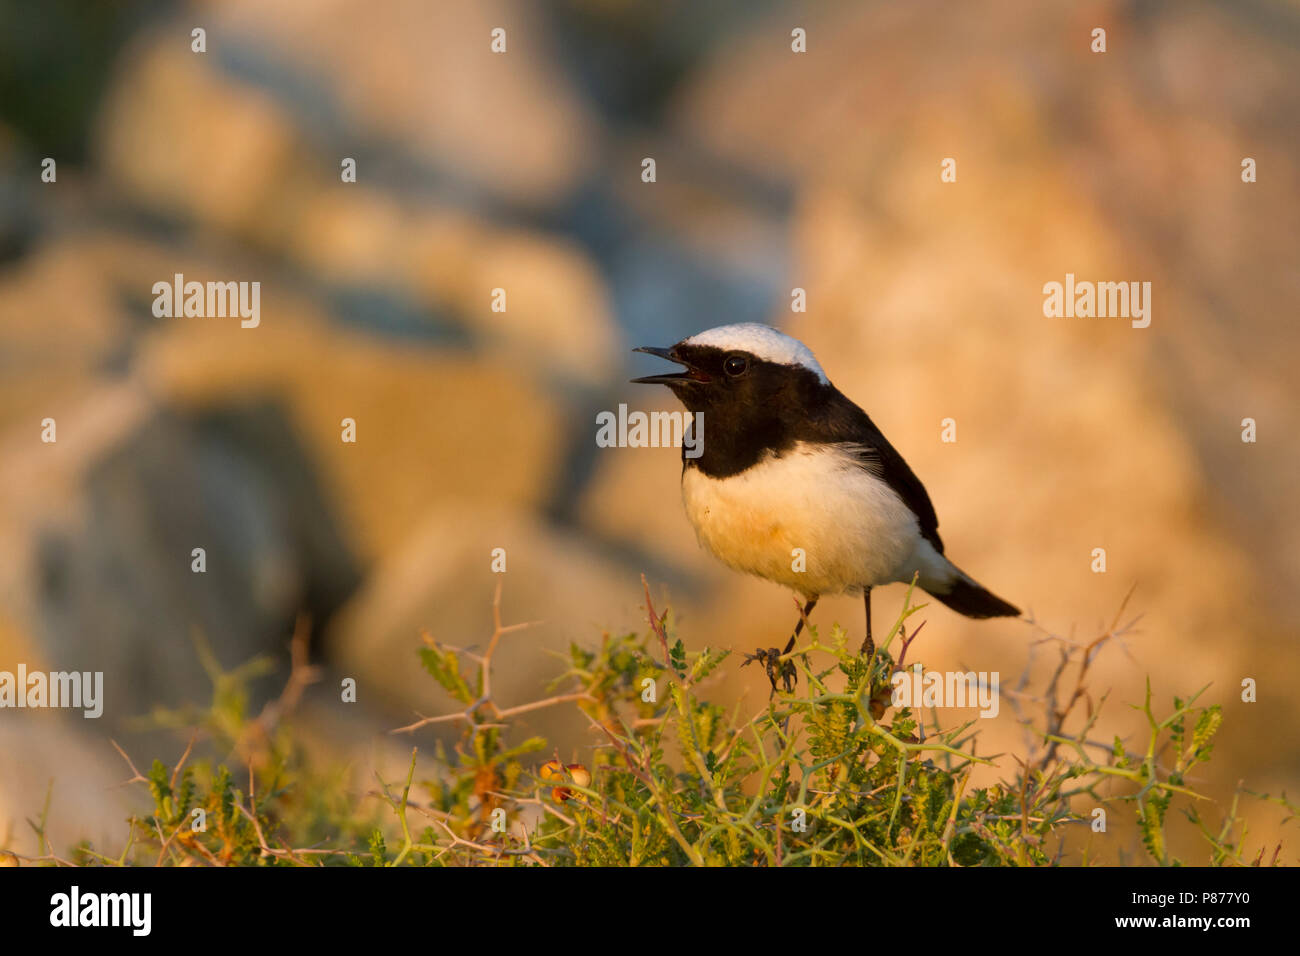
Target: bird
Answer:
[[788, 466]]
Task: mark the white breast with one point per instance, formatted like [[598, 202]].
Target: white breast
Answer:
[[853, 528]]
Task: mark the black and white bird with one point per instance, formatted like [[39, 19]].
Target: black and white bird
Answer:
[[788, 462]]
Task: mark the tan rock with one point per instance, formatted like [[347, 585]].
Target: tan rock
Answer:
[[182, 138], [557, 316], [429, 425], [441, 582], [424, 76], [557, 310]]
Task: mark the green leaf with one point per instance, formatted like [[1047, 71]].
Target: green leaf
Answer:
[[444, 665], [677, 656], [1207, 725], [706, 663], [1119, 753], [378, 849]]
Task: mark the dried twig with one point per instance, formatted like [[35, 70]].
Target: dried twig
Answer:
[[470, 714], [656, 623]]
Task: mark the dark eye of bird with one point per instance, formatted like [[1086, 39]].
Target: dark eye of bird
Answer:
[[735, 365]]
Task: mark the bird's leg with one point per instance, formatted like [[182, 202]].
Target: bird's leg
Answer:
[[770, 657], [798, 625], [868, 645], [788, 673]]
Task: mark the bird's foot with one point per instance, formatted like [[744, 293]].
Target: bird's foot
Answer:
[[774, 667]]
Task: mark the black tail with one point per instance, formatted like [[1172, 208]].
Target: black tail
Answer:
[[966, 597]]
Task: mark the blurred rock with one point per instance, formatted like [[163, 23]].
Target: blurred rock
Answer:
[[557, 314], [108, 570], [442, 582], [204, 434], [429, 425], [185, 139], [191, 140], [423, 77], [50, 352], [420, 78]]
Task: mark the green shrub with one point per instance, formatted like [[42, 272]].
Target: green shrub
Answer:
[[828, 775]]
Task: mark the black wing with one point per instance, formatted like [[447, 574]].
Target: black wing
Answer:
[[845, 422]]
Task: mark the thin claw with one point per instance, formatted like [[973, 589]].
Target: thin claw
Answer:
[[774, 667]]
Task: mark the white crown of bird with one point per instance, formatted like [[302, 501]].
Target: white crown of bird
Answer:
[[761, 341]]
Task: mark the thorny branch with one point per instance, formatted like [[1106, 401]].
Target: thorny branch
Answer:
[[498, 714]]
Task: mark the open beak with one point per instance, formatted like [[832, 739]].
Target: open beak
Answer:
[[690, 375]]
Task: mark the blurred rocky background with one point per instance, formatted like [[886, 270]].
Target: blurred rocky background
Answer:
[[476, 429]]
